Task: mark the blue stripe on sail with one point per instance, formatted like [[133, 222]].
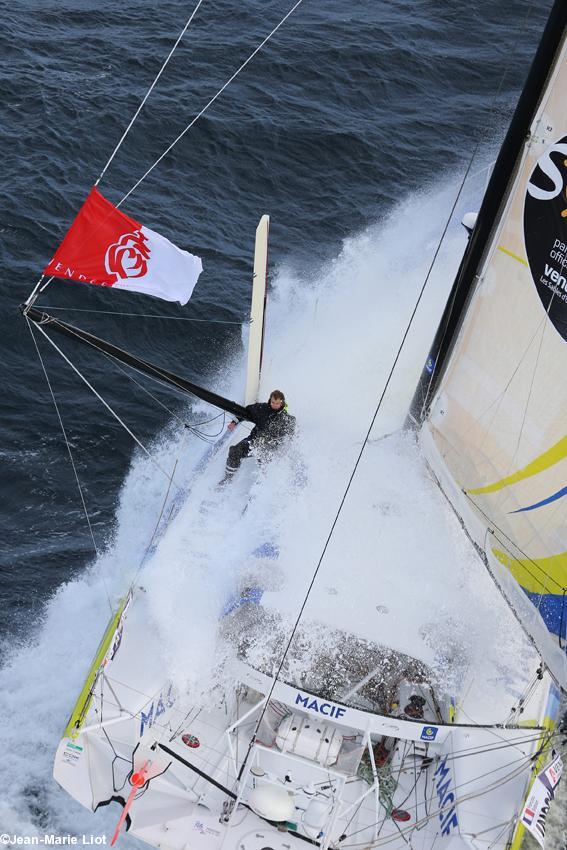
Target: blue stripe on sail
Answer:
[[547, 501], [553, 609]]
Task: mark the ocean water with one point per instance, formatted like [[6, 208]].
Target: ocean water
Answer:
[[353, 129]]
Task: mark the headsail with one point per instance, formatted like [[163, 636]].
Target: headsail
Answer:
[[495, 428]]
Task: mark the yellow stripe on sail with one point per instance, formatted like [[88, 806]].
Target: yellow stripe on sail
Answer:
[[541, 463], [82, 705], [537, 575], [510, 254]]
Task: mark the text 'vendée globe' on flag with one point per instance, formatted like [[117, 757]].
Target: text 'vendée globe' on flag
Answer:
[[106, 247]]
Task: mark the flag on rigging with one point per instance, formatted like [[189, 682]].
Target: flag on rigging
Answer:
[[539, 798], [106, 247]]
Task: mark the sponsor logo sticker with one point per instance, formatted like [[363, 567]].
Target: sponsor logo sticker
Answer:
[[545, 231], [428, 733]]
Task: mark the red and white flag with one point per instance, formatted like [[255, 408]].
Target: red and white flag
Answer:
[[108, 248]]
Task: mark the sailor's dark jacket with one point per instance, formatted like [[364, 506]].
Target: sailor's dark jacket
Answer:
[[271, 426]]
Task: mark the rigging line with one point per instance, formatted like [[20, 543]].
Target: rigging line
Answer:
[[490, 748], [210, 103], [501, 396], [148, 93], [187, 721], [166, 732], [207, 438], [494, 403], [172, 709], [32, 296], [87, 517], [362, 801], [465, 752], [484, 558], [161, 513], [130, 377], [457, 802], [244, 321], [439, 244], [398, 827], [510, 54], [166, 379], [426, 799], [502, 738], [536, 364], [158, 521], [180, 136], [518, 707], [546, 747], [406, 750], [502, 590], [532, 685], [417, 776], [36, 287], [506, 826], [523, 764], [512, 543], [156, 527], [108, 407], [562, 621], [353, 473]]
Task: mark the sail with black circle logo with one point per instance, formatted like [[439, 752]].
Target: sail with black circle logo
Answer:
[[495, 417]]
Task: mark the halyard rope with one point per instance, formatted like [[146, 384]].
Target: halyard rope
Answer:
[[210, 103], [110, 409], [207, 438], [243, 321], [148, 93], [41, 285], [85, 510]]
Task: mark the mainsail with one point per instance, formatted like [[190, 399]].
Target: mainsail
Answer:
[[494, 412]]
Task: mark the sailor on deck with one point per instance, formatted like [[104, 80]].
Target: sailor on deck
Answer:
[[272, 425]]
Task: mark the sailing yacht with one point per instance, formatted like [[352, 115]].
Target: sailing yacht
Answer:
[[367, 724]]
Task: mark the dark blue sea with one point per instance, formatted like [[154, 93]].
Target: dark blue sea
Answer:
[[351, 110]]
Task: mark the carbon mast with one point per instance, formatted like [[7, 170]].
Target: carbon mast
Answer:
[[496, 195]]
